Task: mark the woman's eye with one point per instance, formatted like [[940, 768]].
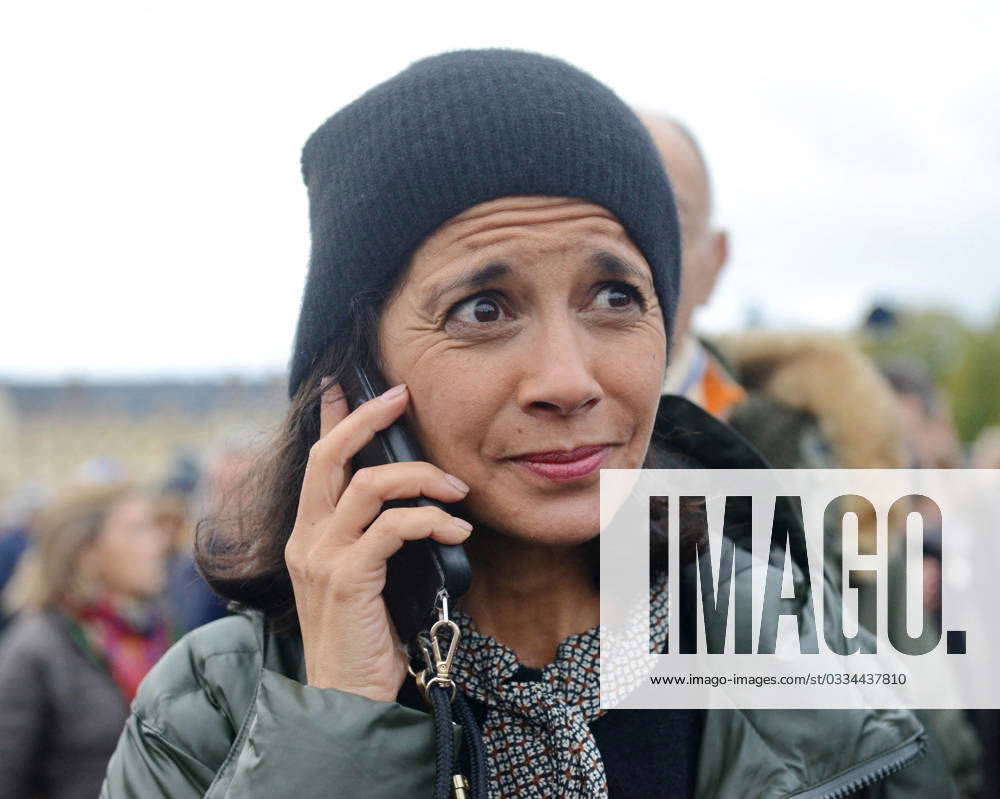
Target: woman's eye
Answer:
[[618, 295], [478, 310]]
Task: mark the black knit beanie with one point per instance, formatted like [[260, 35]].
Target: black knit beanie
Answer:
[[452, 131]]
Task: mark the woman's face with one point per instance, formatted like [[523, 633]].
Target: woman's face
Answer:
[[128, 555], [529, 332]]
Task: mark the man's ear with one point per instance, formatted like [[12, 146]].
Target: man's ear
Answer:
[[719, 258]]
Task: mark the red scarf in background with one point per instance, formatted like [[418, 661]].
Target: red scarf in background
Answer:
[[128, 642]]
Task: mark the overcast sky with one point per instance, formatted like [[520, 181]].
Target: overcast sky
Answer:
[[154, 219]]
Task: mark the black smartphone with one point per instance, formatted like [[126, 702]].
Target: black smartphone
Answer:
[[420, 569]]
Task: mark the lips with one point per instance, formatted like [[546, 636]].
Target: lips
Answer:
[[564, 465]]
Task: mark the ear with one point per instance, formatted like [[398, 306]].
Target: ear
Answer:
[[718, 259]]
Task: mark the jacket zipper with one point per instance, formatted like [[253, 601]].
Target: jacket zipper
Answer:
[[868, 774]]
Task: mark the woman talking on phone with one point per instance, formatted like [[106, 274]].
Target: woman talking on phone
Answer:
[[494, 236]]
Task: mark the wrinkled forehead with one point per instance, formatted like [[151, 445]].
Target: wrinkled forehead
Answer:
[[529, 227]]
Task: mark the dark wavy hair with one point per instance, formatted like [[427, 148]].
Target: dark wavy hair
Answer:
[[240, 550]]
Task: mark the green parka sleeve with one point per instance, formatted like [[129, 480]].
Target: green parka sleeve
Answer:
[[211, 721]]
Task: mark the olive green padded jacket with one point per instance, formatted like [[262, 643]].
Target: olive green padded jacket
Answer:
[[226, 713]]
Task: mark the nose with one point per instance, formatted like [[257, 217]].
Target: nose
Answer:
[[558, 371]]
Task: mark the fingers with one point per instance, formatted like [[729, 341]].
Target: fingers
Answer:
[[370, 488], [350, 570], [333, 409], [328, 468], [396, 526]]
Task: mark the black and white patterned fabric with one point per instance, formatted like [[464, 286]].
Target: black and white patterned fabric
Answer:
[[536, 734]]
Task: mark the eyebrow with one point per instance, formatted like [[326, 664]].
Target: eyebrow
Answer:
[[613, 266], [475, 279]]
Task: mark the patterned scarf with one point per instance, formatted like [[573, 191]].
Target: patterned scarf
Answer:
[[536, 734], [128, 642]]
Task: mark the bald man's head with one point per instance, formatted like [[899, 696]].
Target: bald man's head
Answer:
[[706, 248], [682, 156]]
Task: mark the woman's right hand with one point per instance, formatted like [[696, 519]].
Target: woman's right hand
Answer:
[[337, 552]]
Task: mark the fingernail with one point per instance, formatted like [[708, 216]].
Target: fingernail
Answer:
[[393, 392], [324, 382], [456, 482], [462, 523]]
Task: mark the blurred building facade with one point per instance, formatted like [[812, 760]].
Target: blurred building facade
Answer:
[[50, 432]]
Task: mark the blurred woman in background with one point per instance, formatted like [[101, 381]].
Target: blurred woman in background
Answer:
[[87, 631]]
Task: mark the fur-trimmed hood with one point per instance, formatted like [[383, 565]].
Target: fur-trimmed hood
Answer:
[[829, 378]]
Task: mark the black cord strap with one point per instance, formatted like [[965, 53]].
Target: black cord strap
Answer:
[[473, 738], [440, 699]]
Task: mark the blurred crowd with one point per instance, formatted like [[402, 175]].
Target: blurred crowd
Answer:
[[97, 581], [98, 578]]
